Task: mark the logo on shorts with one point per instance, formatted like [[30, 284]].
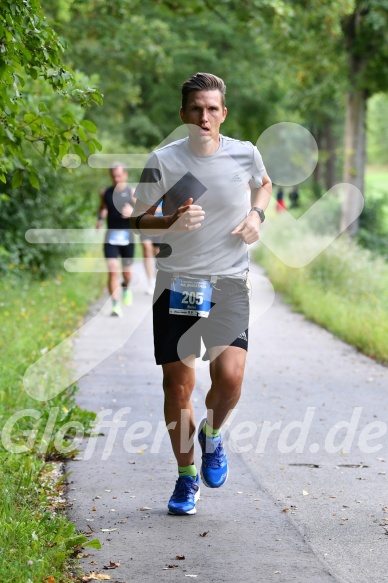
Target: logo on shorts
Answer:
[[243, 336]]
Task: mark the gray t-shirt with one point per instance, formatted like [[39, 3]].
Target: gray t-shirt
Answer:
[[219, 183]]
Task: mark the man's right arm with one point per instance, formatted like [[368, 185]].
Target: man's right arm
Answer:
[[102, 210], [151, 188], [188, 217]]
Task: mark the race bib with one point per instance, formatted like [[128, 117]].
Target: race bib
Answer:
[[190, 297], [118, 237]]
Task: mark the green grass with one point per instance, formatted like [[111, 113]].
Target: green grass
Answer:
[[344, 289], [376, 180], [37, 540]]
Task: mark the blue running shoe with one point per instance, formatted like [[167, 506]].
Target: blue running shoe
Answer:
[[185, 495], [214, 469]]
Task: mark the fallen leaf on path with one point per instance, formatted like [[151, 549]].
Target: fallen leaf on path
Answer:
[[94, 509], [285, 510], [145, 508], [169, 567], [112, 565], [96, 576], [204, 533], [180, 557]]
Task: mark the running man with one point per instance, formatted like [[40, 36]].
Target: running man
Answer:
[[116, 205], [201, 287]]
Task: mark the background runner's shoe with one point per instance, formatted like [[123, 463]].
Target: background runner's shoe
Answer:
[[116, 311], [127, 297], [214, 468], [185, 495]]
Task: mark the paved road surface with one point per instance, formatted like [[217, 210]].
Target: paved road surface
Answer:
[[306, 500]]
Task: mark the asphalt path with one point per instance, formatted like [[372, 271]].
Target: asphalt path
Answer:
[[306, 499]]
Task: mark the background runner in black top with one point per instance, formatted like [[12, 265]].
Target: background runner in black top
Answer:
[[116, 205], [115, 201]]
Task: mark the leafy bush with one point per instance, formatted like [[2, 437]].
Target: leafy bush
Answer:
[[373, 232], [58, 204]]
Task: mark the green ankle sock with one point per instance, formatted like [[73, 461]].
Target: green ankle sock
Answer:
[[188, 471], [209, 431]]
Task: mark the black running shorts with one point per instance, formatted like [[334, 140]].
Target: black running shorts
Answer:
[[126, 252], [177, 336]]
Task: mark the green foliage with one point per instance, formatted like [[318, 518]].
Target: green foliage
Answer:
[[37, 540], [143, 59], [63, 201], [30, 64], [343, 289], [373, 232], [366, 43], [377, 123]]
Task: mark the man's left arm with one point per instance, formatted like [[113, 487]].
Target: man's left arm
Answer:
[[249, 228]]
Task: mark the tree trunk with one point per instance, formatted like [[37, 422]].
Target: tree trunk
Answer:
[[330, 173], [316, 176], [354, 156]]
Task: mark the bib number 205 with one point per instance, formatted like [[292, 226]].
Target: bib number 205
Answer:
[[190, 297], [193, 298]]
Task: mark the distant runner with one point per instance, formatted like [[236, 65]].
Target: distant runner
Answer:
[[116, 205]]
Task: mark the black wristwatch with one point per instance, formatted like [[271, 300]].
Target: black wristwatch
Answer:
[[260, 211]]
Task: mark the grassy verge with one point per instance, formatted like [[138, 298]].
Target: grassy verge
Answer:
[[344, 289], [36, 540]]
